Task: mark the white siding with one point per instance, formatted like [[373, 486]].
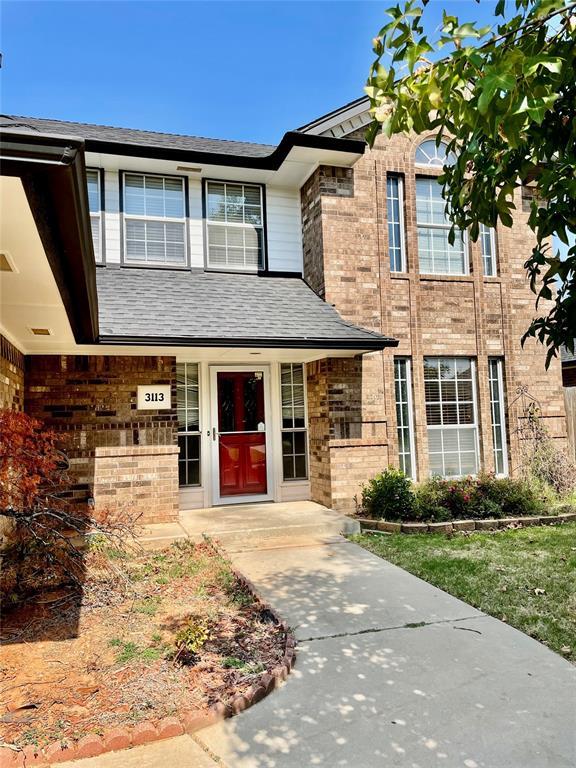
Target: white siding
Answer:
[[111, 218], [284, 230], [195, 223], [282, 214]]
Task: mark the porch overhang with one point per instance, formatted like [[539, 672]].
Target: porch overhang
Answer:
[[46, 231], [158, 307]]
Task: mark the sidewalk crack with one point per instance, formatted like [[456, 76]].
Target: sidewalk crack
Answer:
[[409, 625]]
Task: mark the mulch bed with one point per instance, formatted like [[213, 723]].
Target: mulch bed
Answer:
[[77, 662]]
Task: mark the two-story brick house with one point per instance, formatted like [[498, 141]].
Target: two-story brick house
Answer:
[[256, 323]]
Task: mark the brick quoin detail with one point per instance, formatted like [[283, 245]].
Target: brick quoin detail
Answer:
[[351, 402]]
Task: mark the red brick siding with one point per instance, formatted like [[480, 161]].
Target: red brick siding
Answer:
[[347, 253], [91, 400]]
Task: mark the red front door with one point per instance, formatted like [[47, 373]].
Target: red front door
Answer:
[[241, 433]]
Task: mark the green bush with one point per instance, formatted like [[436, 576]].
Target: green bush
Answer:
[[389, 495], [483, 497]]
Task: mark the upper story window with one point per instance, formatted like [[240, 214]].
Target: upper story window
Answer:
[[429, 154], [488, 249], [95, 205], [154, 219], [234, 224], [395, 212], [436, 254]]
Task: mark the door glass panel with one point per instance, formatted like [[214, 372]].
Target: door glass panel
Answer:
[[226, 404]]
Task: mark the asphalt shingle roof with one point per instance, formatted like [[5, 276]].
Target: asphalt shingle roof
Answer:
[[88, 132], [197, 305]]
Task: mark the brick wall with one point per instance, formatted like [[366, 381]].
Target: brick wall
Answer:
[[11, 376], [346, 260], [91, 401], [138, 477]]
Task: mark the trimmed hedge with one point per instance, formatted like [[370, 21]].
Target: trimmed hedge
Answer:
[[393, 496]]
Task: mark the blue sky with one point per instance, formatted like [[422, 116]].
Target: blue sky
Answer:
[[239, 70]]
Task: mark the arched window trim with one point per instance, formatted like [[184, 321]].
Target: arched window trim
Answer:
[[439, 158]]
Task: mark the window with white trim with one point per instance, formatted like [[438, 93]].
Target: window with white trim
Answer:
[[488, 250], [188, 411], [404, 416], [95, 206], [234, 225], [154, 219], [294, 432], [497, 412], [451, 415], [436, 255], [395, 212], [431, 154]]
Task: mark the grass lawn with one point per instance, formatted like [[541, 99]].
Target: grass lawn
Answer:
[[526, 577]]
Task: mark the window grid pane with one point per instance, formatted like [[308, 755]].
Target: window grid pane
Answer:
[[498, 418], [188, 412], [234, 225], [154, 220], [435, 253], [294, 432], [404, 423], [488, 248], [451, 416], [394, 202]]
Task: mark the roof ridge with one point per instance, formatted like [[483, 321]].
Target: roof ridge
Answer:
[[139, 130]]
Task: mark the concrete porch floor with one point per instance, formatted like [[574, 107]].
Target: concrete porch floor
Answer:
[[242, 526]]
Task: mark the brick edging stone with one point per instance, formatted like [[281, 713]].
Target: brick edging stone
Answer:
[[386, 526], [188, 721]]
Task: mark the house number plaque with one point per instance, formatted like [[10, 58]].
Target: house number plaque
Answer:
[[155, 397]]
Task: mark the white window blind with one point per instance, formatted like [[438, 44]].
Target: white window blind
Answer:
[[450, 393], [154, 220]]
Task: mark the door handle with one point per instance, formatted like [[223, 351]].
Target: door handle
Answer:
[[213, 433]]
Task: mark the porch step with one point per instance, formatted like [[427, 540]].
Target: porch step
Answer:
[[255, 526]]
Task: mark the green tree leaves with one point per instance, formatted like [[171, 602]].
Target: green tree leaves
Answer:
[[505, 99]]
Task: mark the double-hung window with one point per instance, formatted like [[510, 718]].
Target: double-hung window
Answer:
[[95, 205], [294, 433], [435, 253], [450, 390], [497, 408], [154, 219], [404, 416], [488, 250], [395, 212], [234, 226], [188, 411]]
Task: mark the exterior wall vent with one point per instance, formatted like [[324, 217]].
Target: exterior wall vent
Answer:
[[41, 331]]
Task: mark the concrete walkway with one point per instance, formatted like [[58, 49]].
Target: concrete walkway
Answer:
[[393, 672]]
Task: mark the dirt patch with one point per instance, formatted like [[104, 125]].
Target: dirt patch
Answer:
[[153, 635]]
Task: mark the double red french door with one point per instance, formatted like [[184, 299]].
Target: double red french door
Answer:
[[241, 433]]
